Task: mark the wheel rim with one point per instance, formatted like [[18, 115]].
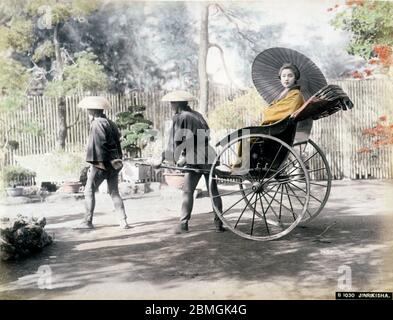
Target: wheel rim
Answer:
[[259, 203], [320, 177]]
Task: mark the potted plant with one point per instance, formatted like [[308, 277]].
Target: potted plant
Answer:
[[15, 177], [136, 131]]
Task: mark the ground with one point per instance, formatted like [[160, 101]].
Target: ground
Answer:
[[150, 262]]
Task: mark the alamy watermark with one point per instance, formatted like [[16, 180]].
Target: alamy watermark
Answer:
[[344, 281]]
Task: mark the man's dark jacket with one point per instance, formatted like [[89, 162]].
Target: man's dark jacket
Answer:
[[186, 126], [104, 141]]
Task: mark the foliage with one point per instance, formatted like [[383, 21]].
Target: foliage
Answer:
[[381, 135], [32, 32], [135, 129], [86, 74], [56, 166], [20, 35], [68, 163], [13, 175], [237, 113], [31, 127], [371, 25], [13, 81], [14, 100], [139, 44], [45, 50]]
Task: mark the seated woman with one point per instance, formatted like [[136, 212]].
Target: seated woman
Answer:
[[288, 101]]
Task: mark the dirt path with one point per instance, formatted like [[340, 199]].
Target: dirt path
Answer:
[[149, 262]]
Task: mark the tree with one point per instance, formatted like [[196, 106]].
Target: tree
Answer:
[[34, 34], [141, 46], [243, 35], [371, 26], [172, 44], [202, 60], [13, 80]]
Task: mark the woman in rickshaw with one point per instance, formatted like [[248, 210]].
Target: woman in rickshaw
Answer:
[[287, 102]]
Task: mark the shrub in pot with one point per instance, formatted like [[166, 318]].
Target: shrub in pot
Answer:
[[14, 177]]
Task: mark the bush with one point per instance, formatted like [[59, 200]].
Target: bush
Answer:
[[56, 166], [17, 175], [243, 111]]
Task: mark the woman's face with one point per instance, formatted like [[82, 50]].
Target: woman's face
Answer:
[[287, 78]]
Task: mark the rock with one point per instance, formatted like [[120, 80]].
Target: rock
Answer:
[[23, 237], [42, 222]]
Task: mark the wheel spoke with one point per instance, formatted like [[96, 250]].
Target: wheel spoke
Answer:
[[306, 192], [280, 203], [290, 203], [287, 194], [279, 223], [253, 214], [264, 215], [319, 169], [270, 203], [282, 189], [296, 196], [244, 209], [236, 203], [309, 213], [279, 171], [318, 184]]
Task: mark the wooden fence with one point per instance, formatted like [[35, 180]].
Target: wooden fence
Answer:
[[340, 135]]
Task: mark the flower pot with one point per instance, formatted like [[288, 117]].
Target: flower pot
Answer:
[[174, 179], [15, 192], [71, 187]]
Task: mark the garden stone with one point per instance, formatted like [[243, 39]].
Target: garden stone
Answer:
[[23, 237]]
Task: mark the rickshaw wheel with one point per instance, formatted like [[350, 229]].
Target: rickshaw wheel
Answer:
[[320, 177], [258, 201]]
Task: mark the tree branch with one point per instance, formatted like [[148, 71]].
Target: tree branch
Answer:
[[75, 122], [231, 20], [214, 45], [59, 60]]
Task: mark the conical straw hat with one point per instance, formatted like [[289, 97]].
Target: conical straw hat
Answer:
[[94, 102], [178, 95]]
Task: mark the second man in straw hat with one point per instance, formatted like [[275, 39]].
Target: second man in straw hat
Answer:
[[188, 145]]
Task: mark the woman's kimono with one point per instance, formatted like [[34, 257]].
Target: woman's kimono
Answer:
[[281, 108]]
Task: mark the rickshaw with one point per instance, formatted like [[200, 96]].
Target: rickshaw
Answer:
[[285, 179]]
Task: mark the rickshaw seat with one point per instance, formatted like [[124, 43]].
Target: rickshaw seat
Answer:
[[284, 127]]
